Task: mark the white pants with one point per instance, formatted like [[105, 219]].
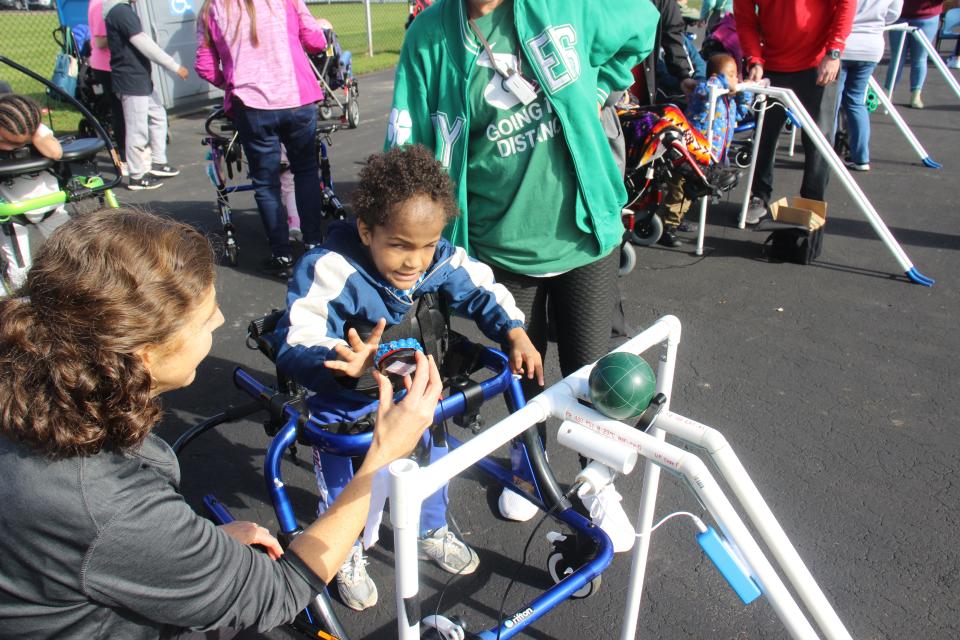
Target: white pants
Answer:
[[17, 254], [146, 123]]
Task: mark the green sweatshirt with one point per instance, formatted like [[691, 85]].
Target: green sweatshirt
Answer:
[[578, 51]]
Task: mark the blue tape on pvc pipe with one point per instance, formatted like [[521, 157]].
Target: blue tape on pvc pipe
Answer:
[[722, 556]]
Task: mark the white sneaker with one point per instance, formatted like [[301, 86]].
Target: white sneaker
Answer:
[[953, 62], [607, 513], [447, 550], [357, 589], [515, 507], [857, 167]]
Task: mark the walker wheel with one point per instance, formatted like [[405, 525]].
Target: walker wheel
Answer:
[[231, 252], [559, 569], [647, 231], [326, 113]]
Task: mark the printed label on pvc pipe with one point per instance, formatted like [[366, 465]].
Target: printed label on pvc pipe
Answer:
[[612, 435]]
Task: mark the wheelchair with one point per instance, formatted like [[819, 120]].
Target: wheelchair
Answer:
[[42, 186]]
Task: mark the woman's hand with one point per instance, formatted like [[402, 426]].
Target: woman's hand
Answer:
[[358, 356], [400, 424], [250, 533], [524, 356]]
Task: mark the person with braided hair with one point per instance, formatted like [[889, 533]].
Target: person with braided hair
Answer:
[[21, 126]]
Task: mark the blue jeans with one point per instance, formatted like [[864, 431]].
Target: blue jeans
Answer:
[[261, 131], [918, 55], [852, 85]]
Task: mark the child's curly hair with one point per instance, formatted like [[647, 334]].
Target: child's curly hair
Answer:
[[396, 176], [19, 115]]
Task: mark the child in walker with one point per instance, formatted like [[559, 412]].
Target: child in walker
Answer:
[[723, 73], [20, 126], [375, 272]]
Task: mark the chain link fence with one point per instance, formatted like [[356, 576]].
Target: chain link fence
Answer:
[[28, 38]]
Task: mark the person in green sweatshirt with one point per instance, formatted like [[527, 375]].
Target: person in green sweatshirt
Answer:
[[509, 95]]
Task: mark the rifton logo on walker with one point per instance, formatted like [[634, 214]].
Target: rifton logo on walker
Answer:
[[520, 617]]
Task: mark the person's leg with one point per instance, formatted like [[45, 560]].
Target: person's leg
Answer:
[[918, 54], [257, 129], [288, 195], [116, 117], [530, 296], [842, 76], [774, 118], [298, 133], [135, 118], [579, 300], [858, 118], [820, 103], [896, 41], [157, 125], [355, 586]]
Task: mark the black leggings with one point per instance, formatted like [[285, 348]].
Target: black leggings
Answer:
[[579, 305]]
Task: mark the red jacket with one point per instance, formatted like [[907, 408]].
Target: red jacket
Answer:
[[921, 9], [792, 35]]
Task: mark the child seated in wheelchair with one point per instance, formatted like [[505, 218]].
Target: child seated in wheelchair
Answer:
[[20, 130], [722, 72], [376, 274]]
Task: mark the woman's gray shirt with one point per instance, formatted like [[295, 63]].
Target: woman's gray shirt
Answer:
[[103, 546]]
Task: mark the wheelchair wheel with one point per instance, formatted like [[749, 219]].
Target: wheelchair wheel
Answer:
[[559, 569], [628, 259], [742, 157], [646, 232], [353, 108]]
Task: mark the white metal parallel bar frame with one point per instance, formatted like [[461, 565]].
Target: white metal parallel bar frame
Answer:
[[715, 93], [932, 54], [789, 98], [410, 484], [760, 515], [902, 125], [761, 107]]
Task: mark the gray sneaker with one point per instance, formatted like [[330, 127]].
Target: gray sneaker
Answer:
[[448, 551], [756, 211], [357, 589]]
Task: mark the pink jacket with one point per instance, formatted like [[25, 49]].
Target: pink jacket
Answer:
[[272, 75]]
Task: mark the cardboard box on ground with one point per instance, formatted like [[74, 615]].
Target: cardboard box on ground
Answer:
[[796, 226]]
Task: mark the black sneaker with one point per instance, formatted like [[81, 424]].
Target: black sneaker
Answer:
[[279, 266], [143, 183], [164, 170], [667, 239], [688, 227]]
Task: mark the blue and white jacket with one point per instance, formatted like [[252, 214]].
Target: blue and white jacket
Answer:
[[338, 283]]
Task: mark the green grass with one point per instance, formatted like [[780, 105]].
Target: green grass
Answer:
[[26, 39]]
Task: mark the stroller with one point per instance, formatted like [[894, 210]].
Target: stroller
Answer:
[[334, 70], [661, 147], [74, 40]]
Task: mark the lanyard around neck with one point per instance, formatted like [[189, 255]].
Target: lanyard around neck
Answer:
[[504, 73]]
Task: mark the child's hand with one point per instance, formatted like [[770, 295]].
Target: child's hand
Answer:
[[524, 356], [358, 356]]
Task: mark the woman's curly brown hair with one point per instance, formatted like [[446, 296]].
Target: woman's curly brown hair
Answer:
[[103, 286], [401, 173]]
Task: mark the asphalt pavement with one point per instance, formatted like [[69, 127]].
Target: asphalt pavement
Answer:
[[836, 384]]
